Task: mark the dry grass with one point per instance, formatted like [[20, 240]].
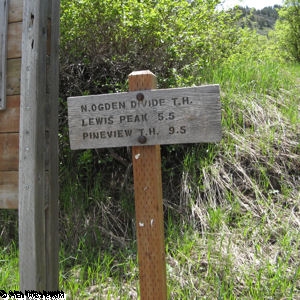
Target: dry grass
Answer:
[[247, 205], [256, 166]]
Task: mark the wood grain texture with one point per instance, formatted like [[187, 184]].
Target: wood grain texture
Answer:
[[9, 189], [166, 116], [51, 145], [38, 202], [14, 40], [13, 76], [32, 143], [3, 51], [10, 117], [9, 151], [149, 207], [15, 13]]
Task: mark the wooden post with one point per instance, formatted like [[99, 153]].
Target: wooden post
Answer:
[[51, 144], [149, 207], [38, 162]]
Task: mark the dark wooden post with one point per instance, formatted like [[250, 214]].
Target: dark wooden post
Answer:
[[149, 207]]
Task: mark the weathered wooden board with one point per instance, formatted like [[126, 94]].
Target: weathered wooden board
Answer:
[[14, 42], [9, 151], [3, 51], [9, 189], [13, 76], [10, 117], [15, 13], [38, 166], [165, 116]]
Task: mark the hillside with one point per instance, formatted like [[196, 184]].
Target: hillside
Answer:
[[261, 20]]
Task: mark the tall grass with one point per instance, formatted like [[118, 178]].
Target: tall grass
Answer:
[[232, 230], [232, 212], [244, 194]]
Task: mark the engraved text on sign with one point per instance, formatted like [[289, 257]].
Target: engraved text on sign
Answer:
[[150, 117]]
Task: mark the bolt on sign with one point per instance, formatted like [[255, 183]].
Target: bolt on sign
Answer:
[[149, 117]]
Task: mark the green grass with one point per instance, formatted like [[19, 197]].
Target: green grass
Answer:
[[9, 268], [106, 277], [232, 209]]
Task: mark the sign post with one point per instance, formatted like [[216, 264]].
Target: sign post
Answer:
[[146, 161], [145, 118]]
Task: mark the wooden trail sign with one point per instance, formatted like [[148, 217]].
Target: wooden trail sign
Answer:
[[145, 118], [150, 117]]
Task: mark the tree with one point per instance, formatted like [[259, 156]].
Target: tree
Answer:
[[287, 28]]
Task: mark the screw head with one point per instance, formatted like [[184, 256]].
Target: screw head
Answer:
[[140, 96], [142, 139]]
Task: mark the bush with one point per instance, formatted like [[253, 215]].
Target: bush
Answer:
[[103, 41]]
